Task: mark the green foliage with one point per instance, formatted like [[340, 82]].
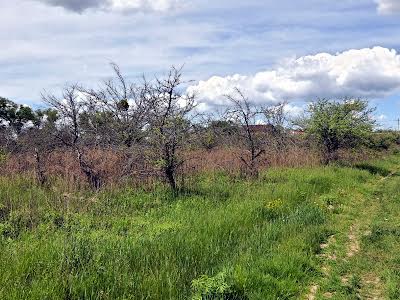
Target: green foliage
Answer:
[[339, 124], [273, 209], [219, 287], [7, 109], [373, 169], [50, 115], [3, 156], [15, 115], [383, 140], [217, 133]]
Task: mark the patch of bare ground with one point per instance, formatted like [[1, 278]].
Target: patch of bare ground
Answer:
[[371, 287], [325, 268], [328, 295], [354, 245], [313, 292]]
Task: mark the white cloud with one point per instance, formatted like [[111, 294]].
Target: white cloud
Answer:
[[370, 73], [115, 5], [133, 5], [388, 6], [381, 117], [294, 110]]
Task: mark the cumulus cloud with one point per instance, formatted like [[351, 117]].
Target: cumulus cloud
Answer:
[[381, 117], [114, 5], [370, 73], [293, 110], [388, 6]]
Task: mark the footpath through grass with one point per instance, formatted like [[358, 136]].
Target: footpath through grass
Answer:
[[224, 239], [361, 260]]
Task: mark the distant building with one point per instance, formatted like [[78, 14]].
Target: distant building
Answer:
[[263, 128], [297, 132]]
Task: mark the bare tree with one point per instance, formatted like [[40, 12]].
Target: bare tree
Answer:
[[70, 107], [124, 105], [7, 139], [276, 117], [40, 138], [119, 115], [171, 124], [244, 113]]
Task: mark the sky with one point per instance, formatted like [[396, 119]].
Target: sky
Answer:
[[293, 51]]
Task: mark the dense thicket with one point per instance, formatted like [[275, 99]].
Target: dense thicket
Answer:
[[152, 128]]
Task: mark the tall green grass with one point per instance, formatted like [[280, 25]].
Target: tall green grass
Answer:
[[222, 239], [367, 238]]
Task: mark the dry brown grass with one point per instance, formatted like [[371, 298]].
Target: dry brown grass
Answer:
[[228, 159], [116, 167]]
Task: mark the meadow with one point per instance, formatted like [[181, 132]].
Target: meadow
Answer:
[[222, 237]]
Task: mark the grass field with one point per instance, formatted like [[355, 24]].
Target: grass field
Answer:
[[324, 232]]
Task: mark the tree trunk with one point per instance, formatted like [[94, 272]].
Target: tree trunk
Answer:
[[253, 170], [170, 175], [93, 178], [40, 174], [330, 156]]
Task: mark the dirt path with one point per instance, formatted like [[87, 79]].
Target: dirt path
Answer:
[[353, 246], [344, 263]]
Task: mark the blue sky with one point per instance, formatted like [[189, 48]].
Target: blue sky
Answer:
[[271, 49]]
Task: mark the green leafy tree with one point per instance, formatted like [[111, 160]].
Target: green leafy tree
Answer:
[[14, 115], [214, 132], [338, 124]]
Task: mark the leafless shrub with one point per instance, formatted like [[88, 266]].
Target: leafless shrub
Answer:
[[70, 107], [170, 123], [244, 114]]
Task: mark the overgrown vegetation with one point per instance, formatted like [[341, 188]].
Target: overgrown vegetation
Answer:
[[182, 205], [360, 261], [339, 124], [225, 239], [151, 130]]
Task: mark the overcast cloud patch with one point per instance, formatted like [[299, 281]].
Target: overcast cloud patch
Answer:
[[80, 6], [388, 6]]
